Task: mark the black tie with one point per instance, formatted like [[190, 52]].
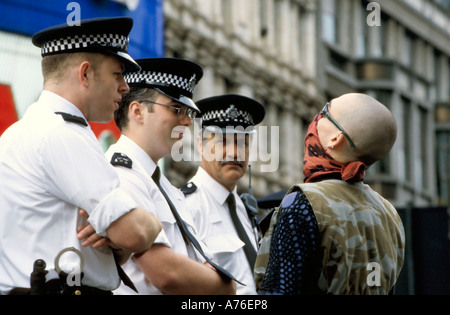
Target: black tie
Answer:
[[185, 231], [248, 248], [123, 276]]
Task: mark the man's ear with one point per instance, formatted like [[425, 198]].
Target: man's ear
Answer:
[[337, 141], [136, 111], [84, 72]]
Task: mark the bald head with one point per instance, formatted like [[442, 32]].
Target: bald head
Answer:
[[370, 125]]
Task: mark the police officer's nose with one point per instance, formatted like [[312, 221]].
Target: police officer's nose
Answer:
[[123, 87]]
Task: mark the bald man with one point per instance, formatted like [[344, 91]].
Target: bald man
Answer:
[[333, 233]]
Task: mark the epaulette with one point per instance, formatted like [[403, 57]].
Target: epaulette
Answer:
[[188, 188], [122, 160], [73, 118]]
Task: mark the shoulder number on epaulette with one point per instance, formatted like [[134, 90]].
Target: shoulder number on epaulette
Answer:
[[122, 160], [188, 188]]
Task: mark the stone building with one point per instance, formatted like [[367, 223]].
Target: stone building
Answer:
[[294, 55], [255, 48]]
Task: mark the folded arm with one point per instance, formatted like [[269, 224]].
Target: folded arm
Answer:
[[172, 273], [133, 232]]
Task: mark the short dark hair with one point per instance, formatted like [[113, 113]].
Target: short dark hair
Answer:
[[135, 94]]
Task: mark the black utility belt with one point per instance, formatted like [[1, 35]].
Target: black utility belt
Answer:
[[56, 282], [66, 290], [85, 290]]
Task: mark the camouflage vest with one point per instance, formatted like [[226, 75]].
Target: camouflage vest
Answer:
[[362, 239]]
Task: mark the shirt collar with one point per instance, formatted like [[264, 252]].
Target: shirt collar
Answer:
[[217, 190], [55, 102], [133, 149]]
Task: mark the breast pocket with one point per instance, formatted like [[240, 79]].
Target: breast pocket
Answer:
[[163, 212], [224, 243], [169, 221]]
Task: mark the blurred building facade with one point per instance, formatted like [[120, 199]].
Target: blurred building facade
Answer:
[[294, 55]]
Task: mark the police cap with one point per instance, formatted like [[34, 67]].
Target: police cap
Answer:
[[99, 35], [174, 77]]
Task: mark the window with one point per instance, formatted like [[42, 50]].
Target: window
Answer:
[[362, 46], [330, 21], [383, 166], [422, 165], [375, 37], [227, 16], [441, 83], [443, 166], [406, 148], [383, 34], [300, 36], [278, 20], [264, 20], [408, 49]]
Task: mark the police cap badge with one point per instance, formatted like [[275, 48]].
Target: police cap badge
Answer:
[[230, 110]]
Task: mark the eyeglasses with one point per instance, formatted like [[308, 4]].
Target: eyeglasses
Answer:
[[325, 113], [181, 111]]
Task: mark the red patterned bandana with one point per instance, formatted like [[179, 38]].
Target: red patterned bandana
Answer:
[[318, 165]]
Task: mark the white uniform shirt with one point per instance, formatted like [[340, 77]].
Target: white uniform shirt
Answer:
[[139, 183], [217, 230], [49, 168]]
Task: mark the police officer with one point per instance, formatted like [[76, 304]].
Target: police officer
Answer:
[[152, 117], [223, 221], [51, 164]]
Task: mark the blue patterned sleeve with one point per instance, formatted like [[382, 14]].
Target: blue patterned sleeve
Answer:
[[293, 245]]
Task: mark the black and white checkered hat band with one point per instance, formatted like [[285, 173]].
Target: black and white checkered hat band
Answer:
[[116, 41], [225, 115], [164, 79]]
